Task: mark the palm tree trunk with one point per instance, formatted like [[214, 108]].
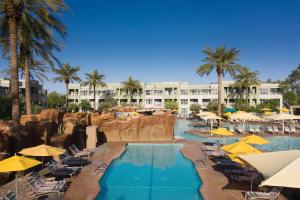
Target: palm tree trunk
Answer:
[[219, 93], [94, 88], [14, 79], [67, 94], [27, 86]]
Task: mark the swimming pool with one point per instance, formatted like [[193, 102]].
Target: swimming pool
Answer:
[[151, 171], [277, 143]]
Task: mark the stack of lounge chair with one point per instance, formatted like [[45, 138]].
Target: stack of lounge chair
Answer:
[[42, 190], [272, 195]]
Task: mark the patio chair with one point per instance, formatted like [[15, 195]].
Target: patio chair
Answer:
[[55, 164], [257, 129], [272, 195], [243, 171], [215, 153], [287, 129]]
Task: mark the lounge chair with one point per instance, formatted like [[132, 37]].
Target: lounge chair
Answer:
[[215, 153], [242, 171], [276, 130], [61, 172], [287, 129], [41, 191], [241, 179], [46, 182], [251, 130], [78, 154], [240, 130], [9, 195], [293, 129], [270, 129], [272, 195], [257, 129], [73, 161]]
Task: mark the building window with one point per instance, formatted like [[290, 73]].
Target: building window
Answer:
[[205, 91], [148, 92], [194, 101], [148, 101], [194, 92], [183, 101], [158, 92], [263, 90], [157, 102], [184, 92], [184, 111]]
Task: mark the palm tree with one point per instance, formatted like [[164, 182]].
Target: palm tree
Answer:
[[223, 61], [245, 79], [95, 79], [66, 74], [12, 12], [131, 87]]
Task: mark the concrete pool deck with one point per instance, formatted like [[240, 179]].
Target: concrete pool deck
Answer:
[[213, 182], [86, 184]]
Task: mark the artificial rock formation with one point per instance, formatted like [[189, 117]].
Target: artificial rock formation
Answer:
[[141, 128]]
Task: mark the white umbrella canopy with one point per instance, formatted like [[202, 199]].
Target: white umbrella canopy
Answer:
[[202, 114], [279, 168], [244, 116], [282, 116], [211, 118]]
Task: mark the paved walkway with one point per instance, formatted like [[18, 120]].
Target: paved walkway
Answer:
[[213, 182], [86, 185]]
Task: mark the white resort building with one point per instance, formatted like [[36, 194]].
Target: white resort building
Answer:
[[38, 94], [154, 95]]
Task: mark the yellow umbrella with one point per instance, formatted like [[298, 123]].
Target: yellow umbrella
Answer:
[[254, 139], [240, 148], [222, 131], [17, 163], [234, 157], [265, 109], [284, 110], [228, 114], [42, 150], [268, 113], [174, 110]]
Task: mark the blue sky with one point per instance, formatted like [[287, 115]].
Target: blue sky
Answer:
[[161, 40]]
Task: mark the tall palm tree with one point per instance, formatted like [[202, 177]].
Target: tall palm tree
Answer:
[[245, 79], [66, 74], [223, 61], [131, 87], [95, 79], [12, 12]]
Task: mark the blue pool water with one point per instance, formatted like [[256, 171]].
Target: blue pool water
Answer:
[[277, 143], [150, 172]]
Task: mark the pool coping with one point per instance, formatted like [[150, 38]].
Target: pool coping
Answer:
[[86, 184], [213, 182]]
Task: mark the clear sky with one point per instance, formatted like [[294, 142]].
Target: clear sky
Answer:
[[161, 40]]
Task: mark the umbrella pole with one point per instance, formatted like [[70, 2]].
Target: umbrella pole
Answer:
[[16, 185], [251, 187], [282, 126], [211, 125]]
